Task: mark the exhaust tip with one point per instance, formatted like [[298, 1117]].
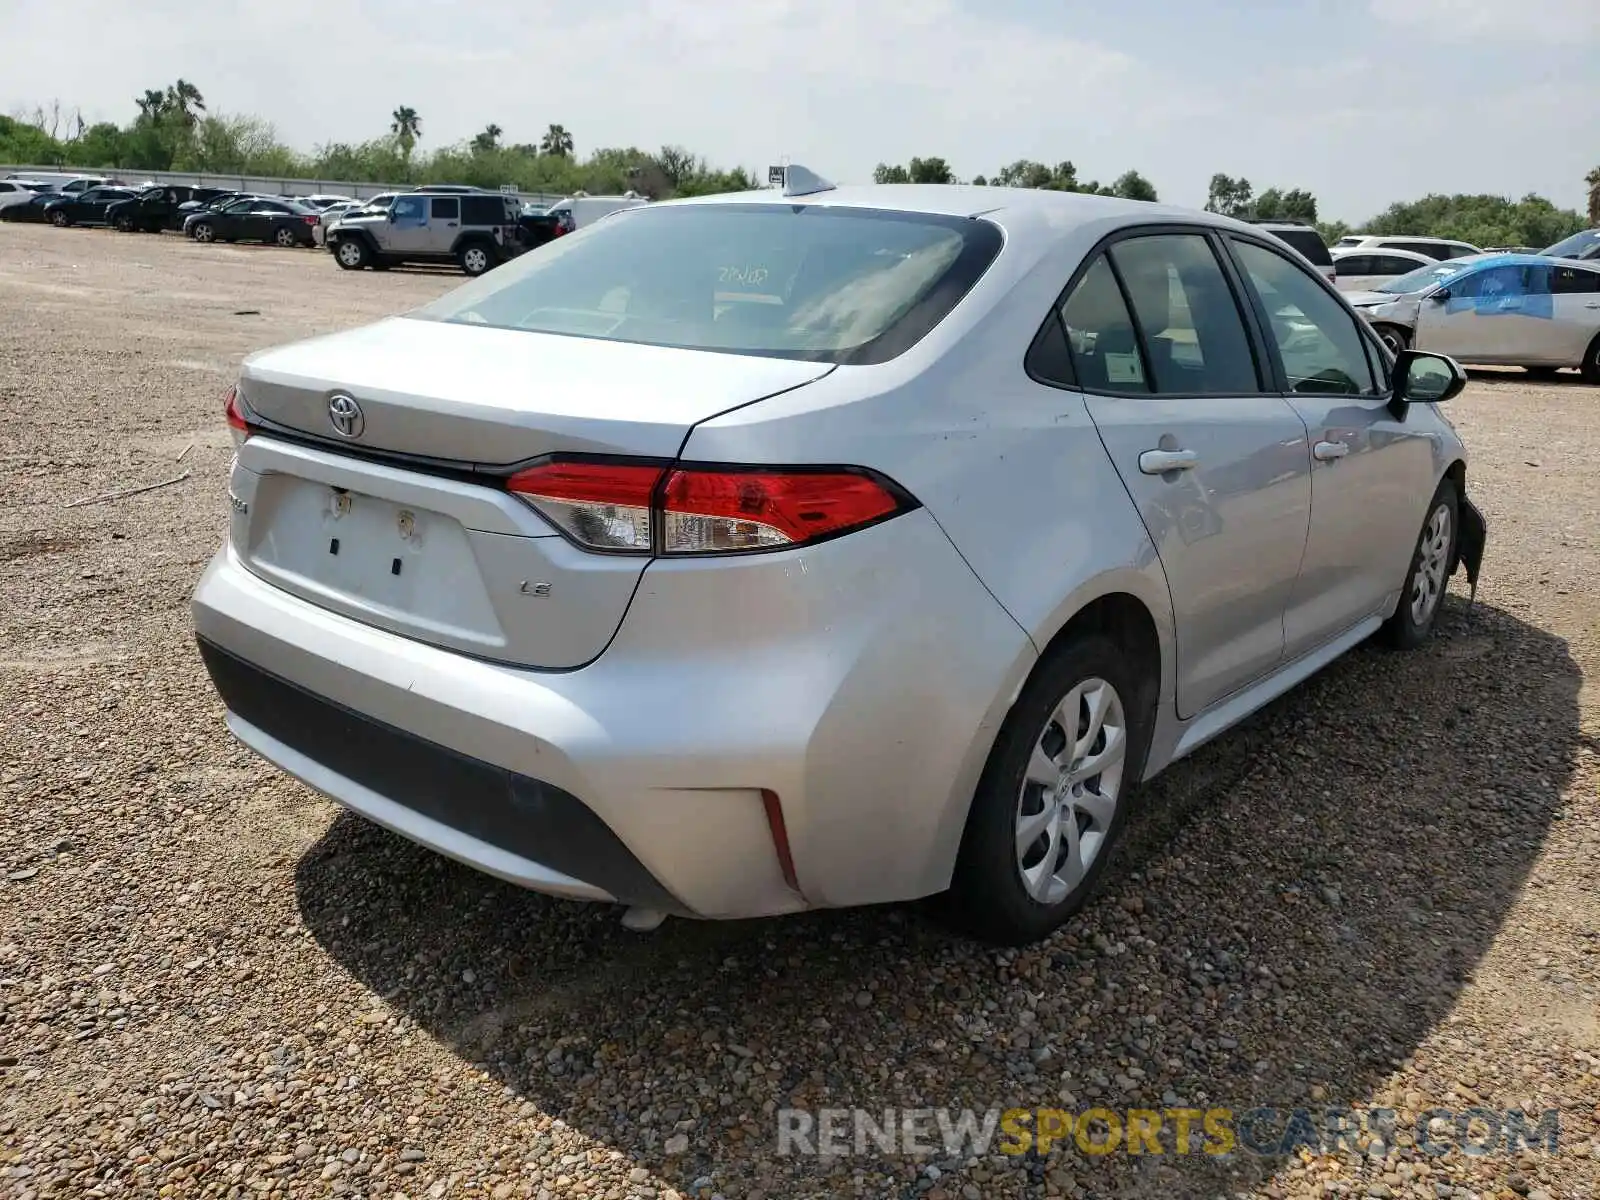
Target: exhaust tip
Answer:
[[643, 920]]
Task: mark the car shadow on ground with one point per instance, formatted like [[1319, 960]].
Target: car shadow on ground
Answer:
[[1296, 907]]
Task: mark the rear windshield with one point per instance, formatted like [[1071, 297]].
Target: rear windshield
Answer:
[[1574, 246], [840, 285], [1309, 242]]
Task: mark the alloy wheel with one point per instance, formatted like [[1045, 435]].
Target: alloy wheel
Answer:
[[1433, 560], [1069, 792]]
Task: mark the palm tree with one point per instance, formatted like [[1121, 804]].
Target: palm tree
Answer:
[[488, 140], [184, 98], [152, 103], [406, 127], [556, 141]]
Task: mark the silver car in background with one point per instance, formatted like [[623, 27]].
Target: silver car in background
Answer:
[[1517, 310], [750, 554]]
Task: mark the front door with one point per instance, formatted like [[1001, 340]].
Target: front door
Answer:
[[408, 231], [1371, 475], [1499, 314], [1216, 463]]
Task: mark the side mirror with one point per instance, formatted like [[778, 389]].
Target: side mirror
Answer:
[[1423, 378], [1440, 296]]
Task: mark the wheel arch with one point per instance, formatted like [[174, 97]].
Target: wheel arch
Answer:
[[472, 237]]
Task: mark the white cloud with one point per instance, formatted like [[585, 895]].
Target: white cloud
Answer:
[[1547, 22]]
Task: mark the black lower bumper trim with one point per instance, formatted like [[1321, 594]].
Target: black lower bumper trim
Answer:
[[512, 812]]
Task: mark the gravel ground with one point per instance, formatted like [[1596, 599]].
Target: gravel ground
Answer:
[[1381, 892]]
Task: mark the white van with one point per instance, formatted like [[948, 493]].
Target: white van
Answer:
[[576, 212]]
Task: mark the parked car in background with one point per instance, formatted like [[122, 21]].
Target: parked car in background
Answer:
[[1511, 250], [1520, 310], [477, 231], [255, 219], [152, 210], [67, 183], [1438, 249], [327, 216], [537, 225], [18, 191], [30, 210], [205, 198], [1306, 240], [1363, 270], [319, 201], [87, 207], [579, 212], [1581, 246], [471, 545]]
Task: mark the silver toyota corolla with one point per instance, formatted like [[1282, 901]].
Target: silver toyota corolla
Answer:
[[750, 554]]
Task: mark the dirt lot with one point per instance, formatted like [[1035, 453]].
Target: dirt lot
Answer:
[[1382, 892]]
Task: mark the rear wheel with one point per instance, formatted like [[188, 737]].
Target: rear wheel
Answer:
[[124, 223], [204, 231], [351, 254], [1052, 801], [60, 219], [1394, 337], [1422, 593], [284, 236], [475, 258], [1591, 363]]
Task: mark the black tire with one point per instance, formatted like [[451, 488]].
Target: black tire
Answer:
[[1591, 363], [988, 898], [60, 219], [1406, 630], [1394, 337], [352, 254], [124, 223], [284, 236], [476, 258], [203, 231]]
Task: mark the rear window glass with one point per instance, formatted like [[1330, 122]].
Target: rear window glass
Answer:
[[1574, 246], [786, 281], [1309, 242]]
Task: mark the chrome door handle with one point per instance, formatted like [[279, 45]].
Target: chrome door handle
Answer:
[[1329, 451], [1593, 304], [1159, 462]]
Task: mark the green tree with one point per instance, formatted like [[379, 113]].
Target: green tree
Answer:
[[1482, 220], [1593, 180], [979, 181], [930, 170], [488, 140], [887, 173], [1133, 186], [1230, 197], [406, 126], [556, 141]]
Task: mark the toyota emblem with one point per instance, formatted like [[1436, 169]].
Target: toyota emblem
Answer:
[[346, 415]]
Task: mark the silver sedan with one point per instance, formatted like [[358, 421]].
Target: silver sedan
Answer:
[[750, 554], [1520, 310]]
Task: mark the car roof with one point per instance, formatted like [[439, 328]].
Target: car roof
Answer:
[[1034, 218]]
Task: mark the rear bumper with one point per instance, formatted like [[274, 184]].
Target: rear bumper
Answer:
[[861, 682]]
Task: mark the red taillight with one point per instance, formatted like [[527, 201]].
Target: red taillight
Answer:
[[234, 413], [311, 220], [644, 508]]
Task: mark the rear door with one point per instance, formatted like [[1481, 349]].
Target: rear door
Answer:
[[444, 223], [1371, 475], [1215, 461], [1575, 292]]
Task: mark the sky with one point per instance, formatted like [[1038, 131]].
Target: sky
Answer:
[[1364, 102]]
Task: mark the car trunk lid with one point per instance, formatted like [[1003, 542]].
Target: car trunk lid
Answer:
[[404, 522]]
